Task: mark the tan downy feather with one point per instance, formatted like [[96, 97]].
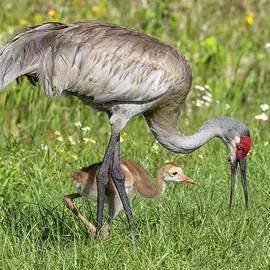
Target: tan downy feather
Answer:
[[137, 180]]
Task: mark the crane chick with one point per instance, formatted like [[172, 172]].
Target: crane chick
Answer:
[[137, 180]]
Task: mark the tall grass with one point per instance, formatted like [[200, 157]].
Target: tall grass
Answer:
[[190, 227]]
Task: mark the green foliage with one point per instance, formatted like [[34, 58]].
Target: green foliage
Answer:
[[190, 227]]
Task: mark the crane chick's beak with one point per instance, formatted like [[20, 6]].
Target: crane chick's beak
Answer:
[[185, 178], [242, 165]]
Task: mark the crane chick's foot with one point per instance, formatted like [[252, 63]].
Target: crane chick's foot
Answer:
[[104, 231], [69, 204]]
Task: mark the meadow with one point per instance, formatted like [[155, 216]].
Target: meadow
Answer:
[[43, 141]]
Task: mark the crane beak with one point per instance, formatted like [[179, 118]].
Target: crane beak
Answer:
[[242, 165], [185, 178]]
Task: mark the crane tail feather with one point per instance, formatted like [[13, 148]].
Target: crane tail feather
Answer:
[[23, 53], [19, 57]]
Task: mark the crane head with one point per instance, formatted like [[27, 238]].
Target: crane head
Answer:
[[242, 148], [238, 156]]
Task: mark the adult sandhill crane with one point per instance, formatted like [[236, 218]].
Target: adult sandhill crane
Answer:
[[124, 73], [136, 181]]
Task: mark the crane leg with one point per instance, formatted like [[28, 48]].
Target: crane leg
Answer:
[[112, 152], [119, 182], [102, 180]]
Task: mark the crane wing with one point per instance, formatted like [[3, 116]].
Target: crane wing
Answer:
[[99, 60]]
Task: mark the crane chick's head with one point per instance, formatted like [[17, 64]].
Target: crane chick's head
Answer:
[[173, 173]]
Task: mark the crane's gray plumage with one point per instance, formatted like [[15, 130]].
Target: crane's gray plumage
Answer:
[[124, 73]]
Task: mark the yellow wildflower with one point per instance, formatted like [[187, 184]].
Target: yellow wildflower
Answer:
[[23, 21], [52, 13], [96, 9], [249, 17], [99, 9]]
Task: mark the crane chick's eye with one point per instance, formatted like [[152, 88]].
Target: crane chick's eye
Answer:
[[174, 173]]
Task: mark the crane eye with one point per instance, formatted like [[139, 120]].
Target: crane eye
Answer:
[[174, 173], [240, 147]]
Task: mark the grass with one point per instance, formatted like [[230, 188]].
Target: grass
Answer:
[[190, 227]]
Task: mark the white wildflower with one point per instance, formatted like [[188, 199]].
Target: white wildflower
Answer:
[[200, 156], [200, 88], [57, 132], [207, 98], [60, 139], [155, 147], [199, 102], [267, 46], [44, 147], [75, 157], [264, 107], [86, 140], [227, 107], [85, 129], [78, 124], [146, 156], [262, 116]]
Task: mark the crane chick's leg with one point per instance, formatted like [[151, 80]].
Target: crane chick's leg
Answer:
[[115, 207], [119, 182], [69, 204]]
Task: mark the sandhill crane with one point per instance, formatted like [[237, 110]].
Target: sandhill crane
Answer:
[[124, 73], [136, 181]]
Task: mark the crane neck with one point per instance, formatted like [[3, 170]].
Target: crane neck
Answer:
[[167, 133]]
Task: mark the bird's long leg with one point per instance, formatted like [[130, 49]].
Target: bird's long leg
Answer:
[[69, 204], [102, 177], [233, 175], [119, 181]]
